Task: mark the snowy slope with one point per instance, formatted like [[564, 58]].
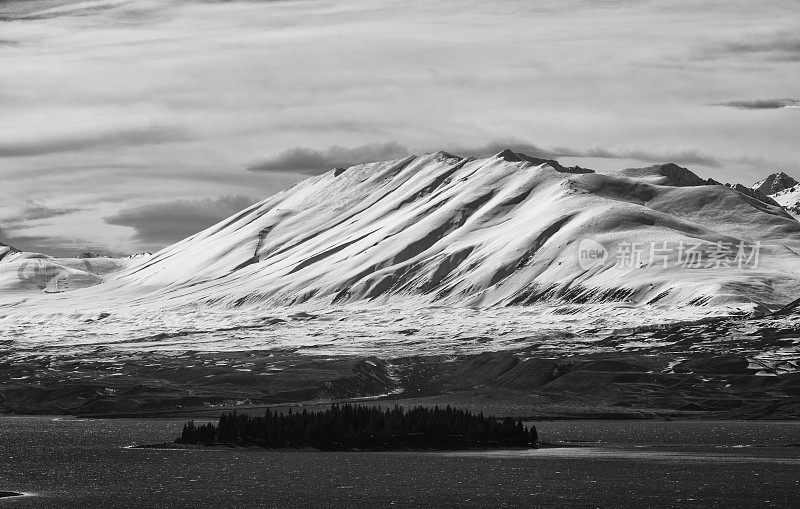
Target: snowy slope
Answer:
[[782, 188], [23, 274], [6, 250], [441, 229], [775, 183], [789, 199]]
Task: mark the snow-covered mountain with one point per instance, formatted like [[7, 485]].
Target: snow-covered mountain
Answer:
[[504, 230], [775, 183], [362, 281], [6, 250], [23, 274], [789, 199], [782, 188]]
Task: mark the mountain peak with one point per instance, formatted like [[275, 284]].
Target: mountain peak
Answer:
[[775, 183], [680, 176], [666, 174], [515, 157], [509, 155], [5, 249], [8, 247]]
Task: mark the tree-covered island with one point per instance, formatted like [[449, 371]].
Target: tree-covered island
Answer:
[[356, 427]]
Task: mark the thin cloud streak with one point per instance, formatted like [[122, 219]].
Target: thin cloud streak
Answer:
[[680, 157], [33, 11], [34, 211], [314, 162], [760, 104], [496, 146], [784, 48], [647, 156], [769, 44], [154, 135]]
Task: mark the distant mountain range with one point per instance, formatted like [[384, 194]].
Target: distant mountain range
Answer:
[[504, 230], [782, 188], [23, 274], [775, 183]]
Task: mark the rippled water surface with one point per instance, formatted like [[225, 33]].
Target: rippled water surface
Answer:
[[63, 462]]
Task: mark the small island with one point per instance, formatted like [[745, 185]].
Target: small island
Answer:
[[364, 428]]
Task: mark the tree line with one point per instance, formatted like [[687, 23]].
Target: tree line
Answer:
[[363, 427]]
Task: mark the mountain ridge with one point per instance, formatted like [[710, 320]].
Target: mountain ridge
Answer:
[[6, 250], [785, 191], [775, 183], [442, 229]]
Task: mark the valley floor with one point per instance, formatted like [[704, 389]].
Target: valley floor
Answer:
[[540, 364]]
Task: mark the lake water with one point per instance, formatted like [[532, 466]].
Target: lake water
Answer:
[[63, 462]]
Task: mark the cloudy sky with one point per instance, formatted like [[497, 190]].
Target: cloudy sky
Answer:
[[127, 125]]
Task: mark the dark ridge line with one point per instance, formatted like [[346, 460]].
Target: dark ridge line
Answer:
[[393, 282], [505, 272], [241, 215], [390, 173], [328, 252], [446, 267], [229, 222], [404, 280], [516, 200], [354, 215], [433, 186], [154, 260], [401, 165], [788, 308], [343, 294], [519, 157], [447, 228], [420, 246], [10, 251], [752, 193], [763, 206], [262, 234]]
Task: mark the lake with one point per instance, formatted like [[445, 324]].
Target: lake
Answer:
[[65, 462]]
